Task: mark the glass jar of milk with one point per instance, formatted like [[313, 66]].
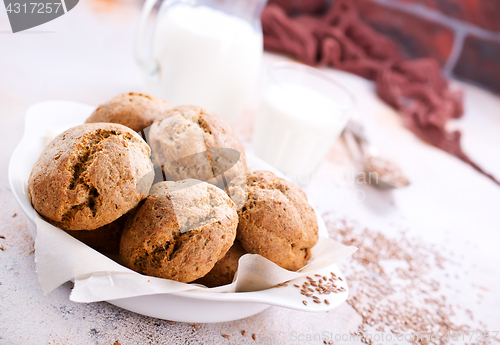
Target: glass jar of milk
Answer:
[[203, 52]]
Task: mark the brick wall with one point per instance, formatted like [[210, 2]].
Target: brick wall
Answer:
[[463, 35]]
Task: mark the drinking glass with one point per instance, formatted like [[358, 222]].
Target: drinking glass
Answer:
[[303, 111]]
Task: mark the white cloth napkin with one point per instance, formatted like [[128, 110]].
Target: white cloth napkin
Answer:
[[60, 258]]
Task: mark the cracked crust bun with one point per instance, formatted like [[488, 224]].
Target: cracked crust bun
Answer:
[[275, 219], [91, 175], [132, 109], [180, 232], [193, 143]]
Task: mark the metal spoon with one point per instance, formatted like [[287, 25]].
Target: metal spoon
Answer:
[[380, 171]]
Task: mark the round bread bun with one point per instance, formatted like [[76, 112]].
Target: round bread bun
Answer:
[[193, 143], [91, 175], [105, 239], [225, 269], [275, 219], [180, 232], [134, 110]]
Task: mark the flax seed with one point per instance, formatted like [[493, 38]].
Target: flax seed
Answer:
[[371, 283]]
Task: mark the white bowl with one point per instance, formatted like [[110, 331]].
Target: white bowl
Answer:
[[50, 118]]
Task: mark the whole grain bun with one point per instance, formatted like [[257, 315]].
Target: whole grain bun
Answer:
[[180, 232], [275, 219], [191, 142], [134, 110], [105, 239], [224, 270], [91, 175]]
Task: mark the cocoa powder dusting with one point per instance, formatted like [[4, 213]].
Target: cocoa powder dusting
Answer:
[[402, 298]]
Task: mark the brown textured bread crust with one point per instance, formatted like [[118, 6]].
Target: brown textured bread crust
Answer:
[[105, 239], [134, 110], [224, 270], [276, 221], [91, 175], [187, 144], [180, 232]]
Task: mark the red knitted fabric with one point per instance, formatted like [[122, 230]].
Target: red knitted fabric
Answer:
[[341, 39]]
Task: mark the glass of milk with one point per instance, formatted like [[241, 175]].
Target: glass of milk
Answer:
[[202, 52], [302, 112]]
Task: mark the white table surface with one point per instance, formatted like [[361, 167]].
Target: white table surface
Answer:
[[86, 56]]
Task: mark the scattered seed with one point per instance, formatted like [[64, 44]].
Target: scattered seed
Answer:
[[225, 336], [254, 337], [373, 291], [304, 302]]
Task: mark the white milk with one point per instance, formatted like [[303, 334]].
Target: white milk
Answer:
[[295, 129], [206, 58]]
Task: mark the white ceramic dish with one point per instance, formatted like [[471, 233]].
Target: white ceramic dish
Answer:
[[50, 118]]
